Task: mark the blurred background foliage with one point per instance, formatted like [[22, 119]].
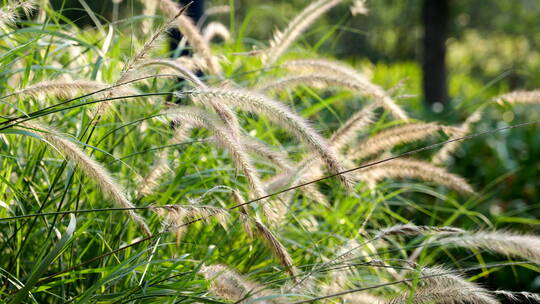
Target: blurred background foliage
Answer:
[[493, 48]]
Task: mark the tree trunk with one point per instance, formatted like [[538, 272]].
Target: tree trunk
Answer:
[[435, 15]]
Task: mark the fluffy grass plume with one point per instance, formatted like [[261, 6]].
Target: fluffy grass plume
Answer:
[[410, 168], [441, 286], [348, 131], [280, 114], [448, 149], [505, 243], [278, 250], [283, 39], [215, 29], [10, 11], [389, 138], [91, 168], [230, 285], [413, 230], [70, 89], [520, 97], [130, 68], [183, 71], [192, 35], [176, 216], [196, 117], [349, 76]]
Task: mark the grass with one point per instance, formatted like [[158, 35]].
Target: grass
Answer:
[[63, 239]]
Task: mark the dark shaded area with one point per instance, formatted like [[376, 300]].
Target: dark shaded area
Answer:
[[435, 14]]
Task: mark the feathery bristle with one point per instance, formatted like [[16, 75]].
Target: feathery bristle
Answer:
[[345, 76], [229, 285], [282, 40], [446, 151], [278, 250], [519, 296], [177, 215], [278, 158], [242, 206], [89, 167], [184, 71], [218, 9], [149, 9], [520, 97], [130, 68], [280, 114], [150, 181], [215, 29], [505, 243], [197, 117], [348, 131], [193, 35], [409, 168], [161, 166], [70, 89], [440, 285], [9, 12], [412, 229], [389, 138]]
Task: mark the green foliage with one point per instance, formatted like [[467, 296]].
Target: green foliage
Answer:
[[106, 259]]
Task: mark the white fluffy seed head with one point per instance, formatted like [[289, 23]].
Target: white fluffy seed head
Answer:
[[410, 168], [90, 167], [280, 114], [282, 40]]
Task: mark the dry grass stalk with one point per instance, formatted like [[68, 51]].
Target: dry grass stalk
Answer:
[[412, 229], [281, 115], [505, 243], [199, 118], [91, 168], [389, 138], [282, 40], [348, 78], [448, 149], [193, 36], [216, 29], [70, 89], [229, 285], [520, 97], [409, 168], [9, 12]]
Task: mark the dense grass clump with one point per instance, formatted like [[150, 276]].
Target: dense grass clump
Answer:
[[230, 175]]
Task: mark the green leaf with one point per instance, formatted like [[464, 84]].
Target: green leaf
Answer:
[[49, 258]]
